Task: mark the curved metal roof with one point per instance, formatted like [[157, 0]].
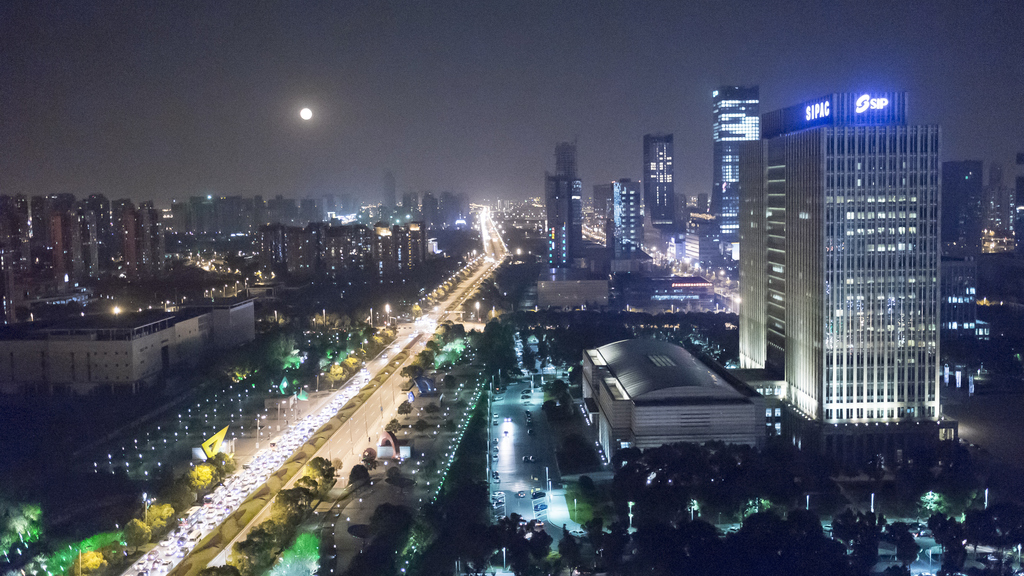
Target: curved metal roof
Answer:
[[661, 369]]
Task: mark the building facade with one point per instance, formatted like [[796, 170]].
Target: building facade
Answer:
[[659, 189], [962, 208], [959, 307], [646, 393], [736, 120], [563, 196], [839, 267]]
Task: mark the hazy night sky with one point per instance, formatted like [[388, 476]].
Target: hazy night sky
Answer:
[[171, 99]]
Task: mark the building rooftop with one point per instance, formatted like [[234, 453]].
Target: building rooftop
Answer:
[[106, 326], [646, 370]]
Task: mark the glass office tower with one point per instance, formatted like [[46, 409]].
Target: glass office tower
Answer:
[[659, 190], [736, 120], [839, 261]]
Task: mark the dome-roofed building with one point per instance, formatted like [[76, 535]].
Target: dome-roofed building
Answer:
[[648, 392]]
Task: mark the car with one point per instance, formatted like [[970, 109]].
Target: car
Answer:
[[530, 431], [521, 494], [495, 423], [540, 507], [529, 459], [494, 475], [499, 398], [494, 457], [538, 494], [577, 532], [495, 414]]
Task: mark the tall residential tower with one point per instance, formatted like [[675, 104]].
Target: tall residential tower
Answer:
[[563, 193]]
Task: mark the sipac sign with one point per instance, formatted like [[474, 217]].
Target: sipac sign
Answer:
[[818, 110], [866, 102]]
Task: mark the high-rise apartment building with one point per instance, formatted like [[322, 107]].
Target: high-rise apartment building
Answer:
[[389, 189], [962, 211], [563, 196], [735, 120], [7, 266], [619, 206], [997, 233], [1018, 216], [839, 267], [564, 227], [659, 190]]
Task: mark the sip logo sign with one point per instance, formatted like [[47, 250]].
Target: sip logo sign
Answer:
[[866, 102]]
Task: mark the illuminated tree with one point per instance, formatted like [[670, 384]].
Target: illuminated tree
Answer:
[[158, 517], [201, 476], [136, 533], [87, 563]]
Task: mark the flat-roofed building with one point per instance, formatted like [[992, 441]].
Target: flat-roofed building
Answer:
[[118, 353]]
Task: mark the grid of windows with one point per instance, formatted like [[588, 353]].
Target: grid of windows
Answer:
[[881, 273], [840, 269], [735, 120]]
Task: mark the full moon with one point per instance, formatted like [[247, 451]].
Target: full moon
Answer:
[[305, 113]]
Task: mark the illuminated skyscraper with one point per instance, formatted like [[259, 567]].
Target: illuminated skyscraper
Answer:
[[659, 190], [736, 120], [563, 195], [839, 247], [619, 204]]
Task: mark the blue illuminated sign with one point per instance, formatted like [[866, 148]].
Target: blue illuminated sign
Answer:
[[818, 110], [866, 102]]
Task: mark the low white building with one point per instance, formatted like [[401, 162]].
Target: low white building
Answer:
[[645, 393], [117, 353]]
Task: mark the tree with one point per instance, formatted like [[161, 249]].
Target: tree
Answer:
[[359, 473], [412, 371], [906, 548], [569, 548], [449, 382], [159, 516], [200, 477], [291, 505], [449, 425], [370, 462], [309, 483], [136, 533], [421, 425], [405, 408], [323, 472], [180, 495], [950, 535], [88, 562], [392, 426]]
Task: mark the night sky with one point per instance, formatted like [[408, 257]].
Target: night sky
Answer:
[[157, 100]]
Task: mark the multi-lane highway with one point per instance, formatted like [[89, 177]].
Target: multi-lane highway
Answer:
[[367, 421]]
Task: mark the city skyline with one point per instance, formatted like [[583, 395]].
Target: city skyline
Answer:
[[482, 90]]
